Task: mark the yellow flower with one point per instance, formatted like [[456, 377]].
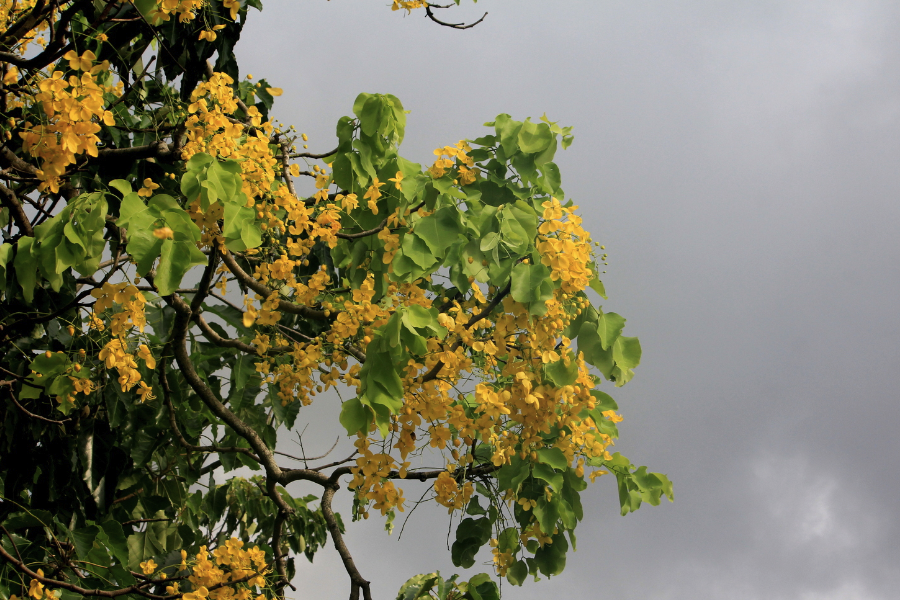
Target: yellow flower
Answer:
[[148, 188], [199, 594], [234, 6], [36, 590], [80, 63], [349, 202], [208, 35], [164, 233], [373, 194], [397, 179], [148, 567], [275, 91], [11, 76], [146, 356], [146, 393]]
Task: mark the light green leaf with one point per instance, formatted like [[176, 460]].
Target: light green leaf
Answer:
[[561, 374], [440, 230], [554, 457], [526, 283], [546, 473], [604, 401], [176, 259], [609, 326], [534, 137], [121, 185], [355, 417], [627, 352], [26, 267], [489, 241], [241, 231], [6, 253]]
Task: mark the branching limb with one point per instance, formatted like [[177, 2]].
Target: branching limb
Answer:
[[132, 589], [362, 234], [31, 414], [10, 201], [430, 15], [264, 290], [310, 155], [218, 340], [179, 347], [357, 581], [167, 398], [436, 369]]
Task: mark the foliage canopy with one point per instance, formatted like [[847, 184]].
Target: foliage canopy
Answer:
[[169, 303]]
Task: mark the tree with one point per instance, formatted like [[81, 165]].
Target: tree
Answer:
[[170, 302]]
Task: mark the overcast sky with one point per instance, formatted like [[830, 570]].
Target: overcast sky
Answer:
[[739, 161]]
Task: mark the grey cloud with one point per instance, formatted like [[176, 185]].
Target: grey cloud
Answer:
[[739, 161]]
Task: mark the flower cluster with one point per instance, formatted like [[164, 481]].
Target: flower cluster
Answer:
[[73, 109], [230, 572], [444, 163], [115, 354], [565, 246]]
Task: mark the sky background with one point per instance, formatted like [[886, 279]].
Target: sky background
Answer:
[[739, 161]]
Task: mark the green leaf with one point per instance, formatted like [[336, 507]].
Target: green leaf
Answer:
[[627, 352], [241, 230], [117, 542], [471, 535], [474, 507], [176, 259], [370, 116], [598, 287], [527, 283], [547, 512], [561, 374], [6, 253], [26, 267], [482, 587], [121, 185], [546, 473], [609, 327], [418, 586], [534, 137], [554, 457], [140, 549], [355, 417], [604, 401], [517, 573], [508, 131], [419, 318], [551, 558], [511, 476], [84, 540], [418, 250], [440, 230], [489, 241]]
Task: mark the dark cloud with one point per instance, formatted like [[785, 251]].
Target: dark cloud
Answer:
[[739, 161]]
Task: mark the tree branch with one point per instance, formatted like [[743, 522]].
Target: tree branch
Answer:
[[167, 398], [264, 290], [132, 589], [436, 369], [362, 234], [10, 201], [431, 16], [357, 581], [27, 412]]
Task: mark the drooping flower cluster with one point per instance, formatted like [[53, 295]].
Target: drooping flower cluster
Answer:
[[116, 354], [445, 162], [73, 109]]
